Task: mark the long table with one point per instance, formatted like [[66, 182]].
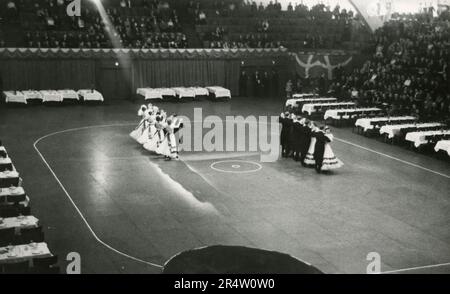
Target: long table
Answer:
[[12, 192], [3, 152], [393, 130], [443, 145], [9, 178], [5, 164], [51, 96], [219, 92], [297, 101], [338, 114], [313, 107], [15, 97], [19, 223], [20, 253], [370, 123], [91, 95], [419, 138]]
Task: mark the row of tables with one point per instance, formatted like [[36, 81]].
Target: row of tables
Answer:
[[416, 133], [45, 96], [10, 189], [183, 92]]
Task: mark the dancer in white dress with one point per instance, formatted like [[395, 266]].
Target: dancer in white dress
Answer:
[[330, 161], [169, 146], [137, 132]]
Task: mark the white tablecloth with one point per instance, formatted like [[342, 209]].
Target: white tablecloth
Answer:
[[69, 95], [150, 94], [310, 108], [9, 175], [17, 97], [219, 92], [200, 91], [336, 113], [21, 222], [89, 95], [32, 95], [305, 95], [418, 138], [20, 253], [5, 160], [366, 123], [182, 92], [393, 130], [51, 96], [11, 191], [443, 145], [294, 102]]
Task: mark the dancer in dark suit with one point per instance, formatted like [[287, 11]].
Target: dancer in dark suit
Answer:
[[319, 151], [297, 137], [285, 130], [305, 141]]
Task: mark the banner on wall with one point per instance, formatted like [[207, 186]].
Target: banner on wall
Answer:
[[311, 65]]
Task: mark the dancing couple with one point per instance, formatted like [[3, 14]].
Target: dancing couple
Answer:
[[302, 140]]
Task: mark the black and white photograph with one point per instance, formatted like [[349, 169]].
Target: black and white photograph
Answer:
[[224, 137]]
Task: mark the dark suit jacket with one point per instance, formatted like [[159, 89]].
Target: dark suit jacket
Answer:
[[320, 146]]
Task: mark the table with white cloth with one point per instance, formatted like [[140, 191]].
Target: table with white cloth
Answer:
[[149, 93], [295, 102], [11, 192], [369, 123], [420, 138], [338, 114], [5, 164], [167, 92], [91, 95], [19, 223], [51, 96], [393, 130], [443, 145], [200, 91], [33, 95], [219, 92], [69, 95], [310, 108], [3, 152], [182, 92], [15, 97], [26, 252], [305, 95], [9, 178]]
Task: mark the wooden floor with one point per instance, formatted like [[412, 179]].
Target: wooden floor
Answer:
[[100, 194]]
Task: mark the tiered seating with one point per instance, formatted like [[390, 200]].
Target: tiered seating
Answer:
[[179, 93], [52, 96], [244, 26], [22, 246]]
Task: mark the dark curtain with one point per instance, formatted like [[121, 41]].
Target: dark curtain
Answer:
[[23, 74], [186, 73]]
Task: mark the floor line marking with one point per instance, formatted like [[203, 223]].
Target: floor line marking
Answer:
[[160, 266], [394, 158], [416, 268], [76, 207]]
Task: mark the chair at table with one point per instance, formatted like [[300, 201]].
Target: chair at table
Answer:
[[7, 236], [3, 200], [16, 268], [30, 235]]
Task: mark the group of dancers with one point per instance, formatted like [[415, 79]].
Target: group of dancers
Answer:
[[156, 131], [307, 143]]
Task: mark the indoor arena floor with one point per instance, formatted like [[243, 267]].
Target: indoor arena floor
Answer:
[[98, 193]]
